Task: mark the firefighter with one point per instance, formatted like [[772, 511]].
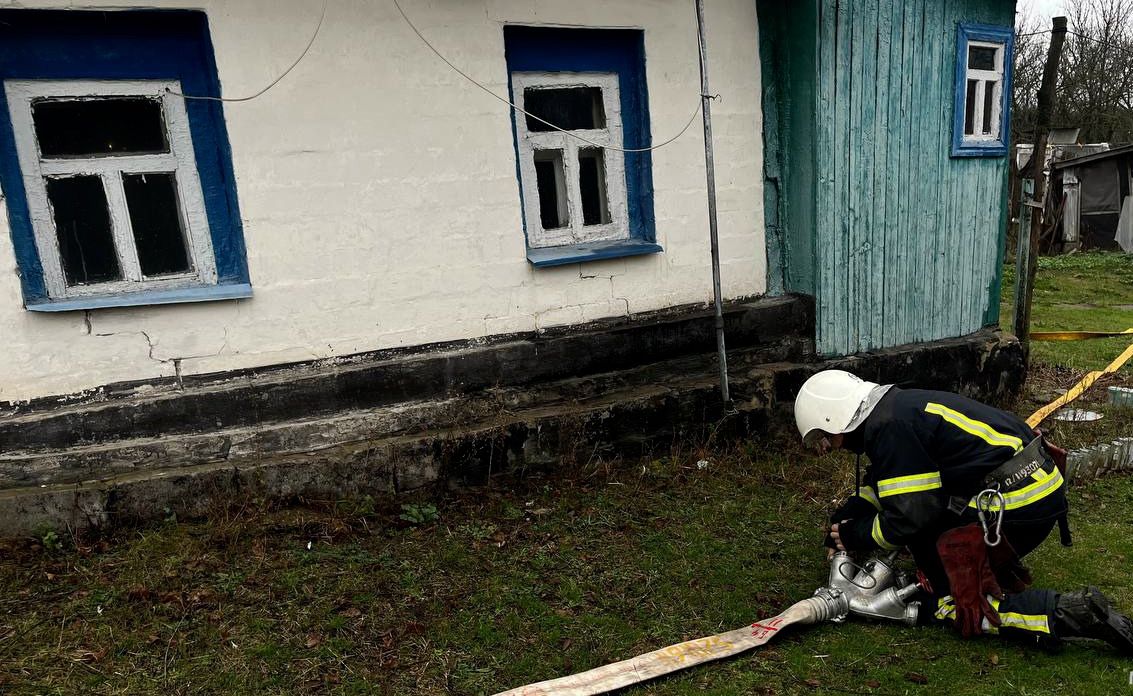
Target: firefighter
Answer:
[[968, 489]]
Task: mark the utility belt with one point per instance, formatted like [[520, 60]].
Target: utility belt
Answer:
[[1028, 477]]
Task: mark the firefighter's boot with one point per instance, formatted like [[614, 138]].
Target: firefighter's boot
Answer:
[[1089, 614]]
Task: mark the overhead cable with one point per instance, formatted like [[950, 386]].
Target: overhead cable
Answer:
[[468, 77], [274, 82], [1104, 42]]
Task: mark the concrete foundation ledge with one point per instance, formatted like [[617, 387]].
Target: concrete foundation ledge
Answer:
[[555, 425], [780, 328]]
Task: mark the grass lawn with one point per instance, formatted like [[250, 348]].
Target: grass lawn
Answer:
[[538, 578], [1078, 292], [476, 591]]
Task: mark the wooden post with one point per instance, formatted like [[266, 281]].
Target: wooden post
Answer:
[[1023, 258], [1038, 159]]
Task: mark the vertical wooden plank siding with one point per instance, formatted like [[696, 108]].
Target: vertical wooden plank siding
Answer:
[[896, 300], [841, 293], [883, 43], [907, 239], [789, 57]]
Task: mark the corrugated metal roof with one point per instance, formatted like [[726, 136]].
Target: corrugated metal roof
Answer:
[[1097, 156]]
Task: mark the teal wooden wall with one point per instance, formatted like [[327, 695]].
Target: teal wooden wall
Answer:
[[898, 242]]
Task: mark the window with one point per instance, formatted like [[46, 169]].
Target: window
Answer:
[[111, 185], [119, 190], [983, 91], [581, 200], [568, 184]]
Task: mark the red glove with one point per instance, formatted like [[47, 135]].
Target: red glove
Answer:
[[964, 556]]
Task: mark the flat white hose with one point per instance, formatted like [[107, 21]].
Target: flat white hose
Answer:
[[677, 657]]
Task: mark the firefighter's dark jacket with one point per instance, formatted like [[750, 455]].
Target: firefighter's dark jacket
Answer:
[[926, 448]]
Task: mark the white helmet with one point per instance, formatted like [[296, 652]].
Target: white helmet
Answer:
[[834, 401]]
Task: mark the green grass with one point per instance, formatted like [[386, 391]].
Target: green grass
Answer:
[[1078, 292], [558, 575]]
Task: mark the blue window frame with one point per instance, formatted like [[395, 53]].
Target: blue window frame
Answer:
[[981, 113], [582, 201], [61, 69]]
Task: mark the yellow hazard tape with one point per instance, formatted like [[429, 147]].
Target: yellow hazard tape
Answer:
[[1088, 381], [1075, 335]]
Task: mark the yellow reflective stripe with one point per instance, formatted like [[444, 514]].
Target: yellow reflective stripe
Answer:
[[974, 427], [945, 609], [878, 537], [869, 495], [909, 484], [1037, 623], [1049, 483], [984, 623]]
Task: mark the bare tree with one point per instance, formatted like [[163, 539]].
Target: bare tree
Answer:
[[1095, 82]]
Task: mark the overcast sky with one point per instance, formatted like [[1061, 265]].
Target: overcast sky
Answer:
[[1044, 9]]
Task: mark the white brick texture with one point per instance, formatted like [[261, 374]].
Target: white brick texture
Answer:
[[379, 195]]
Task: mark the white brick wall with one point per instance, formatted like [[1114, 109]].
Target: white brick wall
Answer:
[[379, 198]]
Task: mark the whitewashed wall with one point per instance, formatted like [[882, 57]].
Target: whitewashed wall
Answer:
[[379, 196]]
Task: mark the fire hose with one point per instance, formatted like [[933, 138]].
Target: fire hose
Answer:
[[875, 590]]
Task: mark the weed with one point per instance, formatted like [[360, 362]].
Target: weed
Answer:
[[419, 513], [51, 541], [479, 531]]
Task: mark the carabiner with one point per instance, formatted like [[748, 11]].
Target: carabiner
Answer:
[[985, 500]]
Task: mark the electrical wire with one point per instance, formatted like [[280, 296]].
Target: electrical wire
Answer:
[[468, 77], [1087, 37], [274, 82], [1104, 43]]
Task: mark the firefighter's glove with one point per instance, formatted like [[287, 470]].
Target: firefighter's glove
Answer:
[[855, 534], [965, 559], [854, 507], [1010, 572]]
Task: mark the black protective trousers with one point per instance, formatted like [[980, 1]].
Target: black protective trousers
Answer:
[[1027, 615]]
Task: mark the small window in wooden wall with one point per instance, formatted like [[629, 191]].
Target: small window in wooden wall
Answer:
[[983, 90]]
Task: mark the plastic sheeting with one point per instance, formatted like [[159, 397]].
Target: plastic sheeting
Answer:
[[1124, 235]]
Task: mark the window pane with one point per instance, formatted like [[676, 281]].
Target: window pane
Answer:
[[155, 217], [981, 57], [92, 127], [569, 108], [552, 189], [989, 100], [970, 108], [592, 184], [82, 225]]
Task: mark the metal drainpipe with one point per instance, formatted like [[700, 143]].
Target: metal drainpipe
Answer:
[[706, 113]]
